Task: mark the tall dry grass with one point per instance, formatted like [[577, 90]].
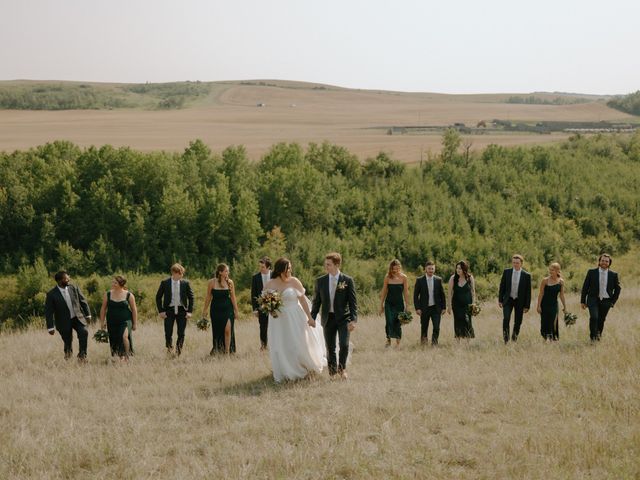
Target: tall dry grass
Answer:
[[476, 410]]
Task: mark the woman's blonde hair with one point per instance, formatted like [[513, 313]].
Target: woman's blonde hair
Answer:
[[556, 266]]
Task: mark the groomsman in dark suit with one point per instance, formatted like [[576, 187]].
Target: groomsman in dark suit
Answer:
[[334, 297], [514, 296], [257, 285], [429, 302], [174, 301], [600, 292], [65, 310]]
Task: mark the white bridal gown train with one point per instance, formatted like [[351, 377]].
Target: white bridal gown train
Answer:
[[295, 348]]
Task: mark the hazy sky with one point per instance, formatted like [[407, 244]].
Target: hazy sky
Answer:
[[439, 46]]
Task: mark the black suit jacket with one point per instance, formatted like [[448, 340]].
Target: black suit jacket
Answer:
[[524, 288], [421, 293], [56, 311], [163, 297], [256, 289], [345, 305], [591, 286]]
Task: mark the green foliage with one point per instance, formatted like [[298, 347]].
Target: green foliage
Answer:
[[67, 95], [627, 103], [533, 100], [28, 298], [104, 210]]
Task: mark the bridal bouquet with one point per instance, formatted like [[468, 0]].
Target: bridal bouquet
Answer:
[[570, 318], [405, 317], [202, 324], [101, 336], [474, 309], [270, 302]]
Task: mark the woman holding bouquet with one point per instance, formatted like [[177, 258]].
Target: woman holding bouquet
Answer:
[[221, 295], [296, 343], [120, 316], [550, 288], [393, 299], [462, 293]]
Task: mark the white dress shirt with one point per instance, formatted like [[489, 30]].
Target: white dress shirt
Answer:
[[67, 298], [604, 277], [333, 285], [265, 277], [175, 295], [515, 281], [432, 296]]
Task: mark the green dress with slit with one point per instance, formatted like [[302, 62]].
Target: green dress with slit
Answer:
[[393, 305], [221, 311], [119, 318]]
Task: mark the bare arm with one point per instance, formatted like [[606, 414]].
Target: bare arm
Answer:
[[103, 312], [134, 311], [207, 299], [232, 293], [450, 294], [473, 289], [540, 295], [383, 293], [406, 293], [564, 303]]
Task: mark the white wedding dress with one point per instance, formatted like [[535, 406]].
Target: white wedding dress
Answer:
[[295, 348]]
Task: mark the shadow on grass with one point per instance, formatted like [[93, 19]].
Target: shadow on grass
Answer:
[[266, 383]]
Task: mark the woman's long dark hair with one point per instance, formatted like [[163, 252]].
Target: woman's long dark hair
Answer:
[[280, 267], [465, 271], [219, 269]]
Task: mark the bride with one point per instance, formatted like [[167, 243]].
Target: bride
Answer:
[[296, 344]]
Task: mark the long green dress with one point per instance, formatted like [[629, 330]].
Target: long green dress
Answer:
[[119, 318], [461, 300], [221, 311], [393, 304], [549, 314]]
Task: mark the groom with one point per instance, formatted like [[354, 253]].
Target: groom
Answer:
[[335, 297]]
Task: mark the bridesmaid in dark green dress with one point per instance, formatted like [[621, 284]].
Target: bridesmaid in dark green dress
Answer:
[[550, 288], [224, 310], [462, 293], [393, 300], [119, 308]]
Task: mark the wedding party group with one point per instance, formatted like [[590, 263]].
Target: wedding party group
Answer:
[[299, 345]]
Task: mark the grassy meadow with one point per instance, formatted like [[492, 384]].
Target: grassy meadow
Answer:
[[468, 410]]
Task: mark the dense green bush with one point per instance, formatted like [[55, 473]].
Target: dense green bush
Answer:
[[102, 210], [627, 103]]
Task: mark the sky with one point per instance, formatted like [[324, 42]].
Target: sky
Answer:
[[491, 46]]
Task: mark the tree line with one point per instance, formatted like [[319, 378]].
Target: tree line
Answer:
[[104, 209]]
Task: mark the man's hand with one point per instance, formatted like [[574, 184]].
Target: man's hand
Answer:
[[163, 315], [419, 312], [583, 305], [351, 326], [189, 314], [525, 310], [52, 331], [499, 304]]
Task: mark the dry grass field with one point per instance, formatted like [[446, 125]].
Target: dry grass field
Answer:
[[294, 112], [460, 411]]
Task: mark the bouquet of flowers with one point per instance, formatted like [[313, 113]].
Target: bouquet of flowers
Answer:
[[101, 336], [405, 317], [474, 309], [202, 324], [570, 318], [270, 302]]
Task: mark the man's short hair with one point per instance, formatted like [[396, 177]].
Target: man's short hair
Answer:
[[177, 268], [59, 275], [517, 256], [605, 255], [335, 257], [266, 261], [428, 263]]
